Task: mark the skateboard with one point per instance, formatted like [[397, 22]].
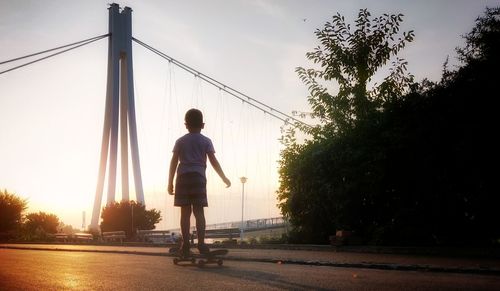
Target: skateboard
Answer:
[[213, 257]]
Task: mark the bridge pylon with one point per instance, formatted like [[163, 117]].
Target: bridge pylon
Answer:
[[119, 114]]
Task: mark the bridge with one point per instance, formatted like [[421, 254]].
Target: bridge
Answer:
[[120, 136], [233, 230]]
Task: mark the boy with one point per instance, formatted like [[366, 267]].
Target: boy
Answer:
[[190, 160]]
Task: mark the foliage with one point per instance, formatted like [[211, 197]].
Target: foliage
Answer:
[[128, 216], [482, 42], [351, 59], [416, 172], [46, 221], [39, 226], [66, 228], [312, 174], [11, 213]]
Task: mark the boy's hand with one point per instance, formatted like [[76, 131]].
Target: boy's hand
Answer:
[[170, 189], [227, 182]]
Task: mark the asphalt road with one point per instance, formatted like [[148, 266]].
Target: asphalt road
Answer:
[[63, 270]]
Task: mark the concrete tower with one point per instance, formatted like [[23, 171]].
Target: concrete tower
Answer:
[[120, 110]]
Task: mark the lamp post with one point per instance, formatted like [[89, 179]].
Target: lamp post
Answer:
[[132, 208], [243, 181]]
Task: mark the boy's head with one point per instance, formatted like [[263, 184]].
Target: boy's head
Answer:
[[194, 119]]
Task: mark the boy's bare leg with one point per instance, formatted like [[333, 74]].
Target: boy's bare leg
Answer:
[[185, 224], [199, 214]]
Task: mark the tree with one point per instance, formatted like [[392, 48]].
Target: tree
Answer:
[[313, 174], [441, 169], [468, 99], [48, 222], [66, 228], [128, 216], [352, 59], [39, 225], [11, 212], [416, 172], [482, 42]]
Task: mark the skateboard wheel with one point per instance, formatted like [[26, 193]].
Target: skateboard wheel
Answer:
[[220, 262], [193, 260], [201, 263], [176, 261]]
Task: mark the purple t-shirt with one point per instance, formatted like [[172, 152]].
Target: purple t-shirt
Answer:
[[193, 149]]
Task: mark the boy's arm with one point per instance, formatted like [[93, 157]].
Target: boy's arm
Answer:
[[171, 172], [215, 163]]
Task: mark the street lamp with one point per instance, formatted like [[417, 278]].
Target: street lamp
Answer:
[[243, 181], [132, 207]]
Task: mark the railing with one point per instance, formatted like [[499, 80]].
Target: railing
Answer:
[[76, 237], [155, 236], [251, 224], [267, 223], [248, 225], [80, 236], [114, 236], [221, 233], [62, 236]]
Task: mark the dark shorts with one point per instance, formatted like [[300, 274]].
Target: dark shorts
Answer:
[[190, 189]]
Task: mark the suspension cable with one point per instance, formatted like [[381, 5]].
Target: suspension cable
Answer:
[[235, 93], [72, 47]]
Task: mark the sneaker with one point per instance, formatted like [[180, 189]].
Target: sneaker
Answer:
[[203, 249]]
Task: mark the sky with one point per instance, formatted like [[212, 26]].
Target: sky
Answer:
[[52, 112]]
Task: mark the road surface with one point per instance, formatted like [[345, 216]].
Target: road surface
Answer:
[[63, 270]]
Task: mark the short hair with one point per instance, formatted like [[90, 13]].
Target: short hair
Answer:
[[194, 118]]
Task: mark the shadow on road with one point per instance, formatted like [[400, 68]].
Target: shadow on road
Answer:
[[267, 279]]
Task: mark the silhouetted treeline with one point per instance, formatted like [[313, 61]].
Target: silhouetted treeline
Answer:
[[422, 171]]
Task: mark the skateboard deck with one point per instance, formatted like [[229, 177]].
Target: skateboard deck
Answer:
[[213, 257]]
